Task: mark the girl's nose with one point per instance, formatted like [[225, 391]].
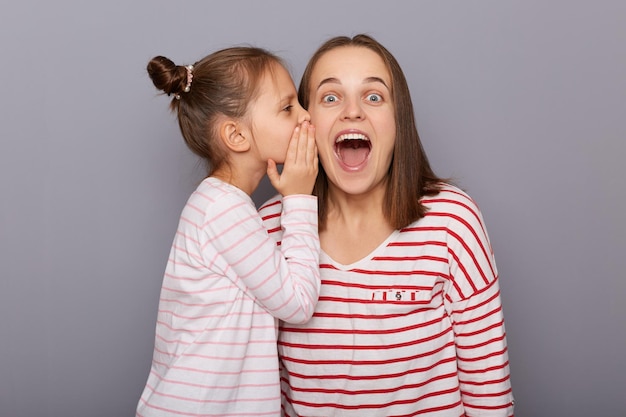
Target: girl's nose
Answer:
[[304, 115]]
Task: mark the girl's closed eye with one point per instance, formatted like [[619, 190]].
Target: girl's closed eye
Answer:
[[288, 108]]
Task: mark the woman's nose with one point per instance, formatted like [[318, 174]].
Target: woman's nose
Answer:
[[352, 110]]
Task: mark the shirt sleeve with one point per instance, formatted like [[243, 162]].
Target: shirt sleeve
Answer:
[[283, 279], [474, 305]]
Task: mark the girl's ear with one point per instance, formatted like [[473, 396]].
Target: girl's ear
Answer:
[[232, 137]]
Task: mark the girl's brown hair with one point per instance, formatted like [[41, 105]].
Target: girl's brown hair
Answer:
[[222, 84], [410, 176]]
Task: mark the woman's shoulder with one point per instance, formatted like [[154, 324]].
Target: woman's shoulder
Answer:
[[270, 216], [448, 194], [451, 201], [272, 207], [271, 210]]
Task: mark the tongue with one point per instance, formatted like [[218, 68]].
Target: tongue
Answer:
[[352, 154]]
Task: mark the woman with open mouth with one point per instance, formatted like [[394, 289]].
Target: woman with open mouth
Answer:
[[409, 320]]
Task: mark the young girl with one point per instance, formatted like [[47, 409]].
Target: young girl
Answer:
[[226, 282]]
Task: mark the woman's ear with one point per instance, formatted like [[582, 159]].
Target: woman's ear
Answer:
[[232, 137]]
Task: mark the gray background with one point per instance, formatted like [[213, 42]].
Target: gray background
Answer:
[[522, 102]]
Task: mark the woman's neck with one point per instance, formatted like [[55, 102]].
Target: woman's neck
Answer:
[[356, 217], [356, 208], [355, 225]]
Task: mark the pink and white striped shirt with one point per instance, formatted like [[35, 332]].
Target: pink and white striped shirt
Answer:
[[225, 285], [413, 329]]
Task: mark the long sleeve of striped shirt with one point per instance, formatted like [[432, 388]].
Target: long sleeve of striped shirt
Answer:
[[413, 329], [225, 286], [472, 300], [234, 244]]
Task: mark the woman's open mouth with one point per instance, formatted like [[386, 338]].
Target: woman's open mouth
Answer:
[[352, 149]]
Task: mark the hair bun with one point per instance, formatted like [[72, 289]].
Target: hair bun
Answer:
[[167, 76]]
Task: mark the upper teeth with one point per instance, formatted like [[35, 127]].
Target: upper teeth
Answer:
[[346, 136]]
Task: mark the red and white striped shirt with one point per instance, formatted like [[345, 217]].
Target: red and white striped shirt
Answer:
[[225, 282], [414, 329]]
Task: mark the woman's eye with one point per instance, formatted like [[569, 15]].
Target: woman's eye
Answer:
[[374, 97], [329, 98]]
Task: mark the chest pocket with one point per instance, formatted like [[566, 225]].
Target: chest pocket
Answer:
[[400, 295]]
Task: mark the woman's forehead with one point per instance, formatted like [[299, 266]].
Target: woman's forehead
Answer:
[[350, 61]]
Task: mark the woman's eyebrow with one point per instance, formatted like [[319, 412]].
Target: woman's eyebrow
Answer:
[[375, 80], [332, 80]]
